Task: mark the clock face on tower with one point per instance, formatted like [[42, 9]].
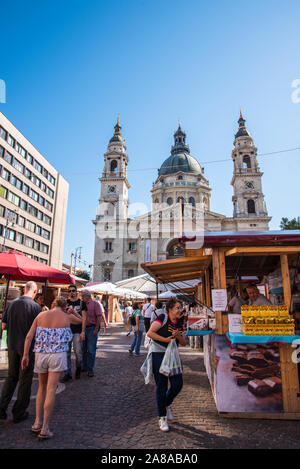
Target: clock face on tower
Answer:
[[111, 189], [249, 185]]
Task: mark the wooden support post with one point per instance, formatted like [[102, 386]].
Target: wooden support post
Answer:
[[219, 281], [202, 298], [290, 381], [207, 288], [223, 286], [289, 370], [286, 280], [110, 307]]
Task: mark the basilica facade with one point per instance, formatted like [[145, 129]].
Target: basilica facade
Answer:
[[180, 205]]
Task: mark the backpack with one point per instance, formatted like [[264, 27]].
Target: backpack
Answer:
[[132, 319]]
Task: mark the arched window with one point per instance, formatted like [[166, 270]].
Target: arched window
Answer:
[[251, 206], [246, 161], [169, 201], [192, 201], [175, 249], [113, 166], [106, 275]]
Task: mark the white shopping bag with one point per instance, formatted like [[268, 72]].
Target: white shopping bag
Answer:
[[171, 364]]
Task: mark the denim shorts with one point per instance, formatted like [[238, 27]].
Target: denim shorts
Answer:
[[50, 362]]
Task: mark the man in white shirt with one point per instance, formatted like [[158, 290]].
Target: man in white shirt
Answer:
[[128, 312], [148, 309], [256, 298]]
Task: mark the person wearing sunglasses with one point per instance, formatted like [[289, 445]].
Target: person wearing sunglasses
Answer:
[[74, 306]]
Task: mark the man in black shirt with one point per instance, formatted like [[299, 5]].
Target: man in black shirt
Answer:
[[75, 306], [17, 319]]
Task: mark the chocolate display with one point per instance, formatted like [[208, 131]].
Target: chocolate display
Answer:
[[241, 380], [259, 388], [275, 383], [258, 367]]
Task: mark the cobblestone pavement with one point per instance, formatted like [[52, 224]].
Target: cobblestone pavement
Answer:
[[115, 410]]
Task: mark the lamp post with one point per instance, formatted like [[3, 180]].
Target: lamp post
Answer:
[[77, 256]]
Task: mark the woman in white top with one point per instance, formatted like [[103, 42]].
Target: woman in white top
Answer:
[[52, 333]]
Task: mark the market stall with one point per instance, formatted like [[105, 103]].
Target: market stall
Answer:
[[113, 295], [251, 376]]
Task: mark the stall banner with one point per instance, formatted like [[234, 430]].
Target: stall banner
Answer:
[[198, 323], [248, 377]]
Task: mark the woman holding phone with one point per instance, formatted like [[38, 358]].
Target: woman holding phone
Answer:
[[162, 331]]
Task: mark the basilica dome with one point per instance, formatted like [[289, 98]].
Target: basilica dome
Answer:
[[180, 162]]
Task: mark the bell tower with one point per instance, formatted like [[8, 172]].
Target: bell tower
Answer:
[[112, 212], [248, 200], [114, 182]]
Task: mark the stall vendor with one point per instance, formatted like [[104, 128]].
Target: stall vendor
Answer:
[[256, 298], [236, 302]]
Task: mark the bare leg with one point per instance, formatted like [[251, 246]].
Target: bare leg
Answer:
[[53, 378], [40, 400]]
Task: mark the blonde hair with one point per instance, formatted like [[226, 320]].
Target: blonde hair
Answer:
[[59, 302]]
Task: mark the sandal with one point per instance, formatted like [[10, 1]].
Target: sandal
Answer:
[[36, 429], [45, 436]]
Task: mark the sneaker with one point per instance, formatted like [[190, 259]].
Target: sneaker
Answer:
[[163, 424], [130, 351], [66, 378], [77, 373], [137, 354], [90, 374], [169, 413]]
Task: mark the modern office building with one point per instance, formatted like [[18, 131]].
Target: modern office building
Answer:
[[33, 199]]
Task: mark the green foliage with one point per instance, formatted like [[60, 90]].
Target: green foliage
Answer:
[[83, 274], [293, 224]]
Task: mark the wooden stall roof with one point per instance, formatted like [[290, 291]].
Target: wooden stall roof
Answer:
[[181, 269], [242, 238], [247, 253]]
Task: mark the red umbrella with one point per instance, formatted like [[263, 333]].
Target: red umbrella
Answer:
[[17, 266]]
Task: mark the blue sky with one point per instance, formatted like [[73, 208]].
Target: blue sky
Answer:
[[71, 66]]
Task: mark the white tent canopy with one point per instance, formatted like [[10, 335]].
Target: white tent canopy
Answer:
[[108, 288], [146, 284]]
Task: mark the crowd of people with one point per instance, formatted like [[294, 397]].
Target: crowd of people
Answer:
[[40, 340]]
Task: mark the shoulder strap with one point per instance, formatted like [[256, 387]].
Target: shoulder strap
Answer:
[[165, 318]]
